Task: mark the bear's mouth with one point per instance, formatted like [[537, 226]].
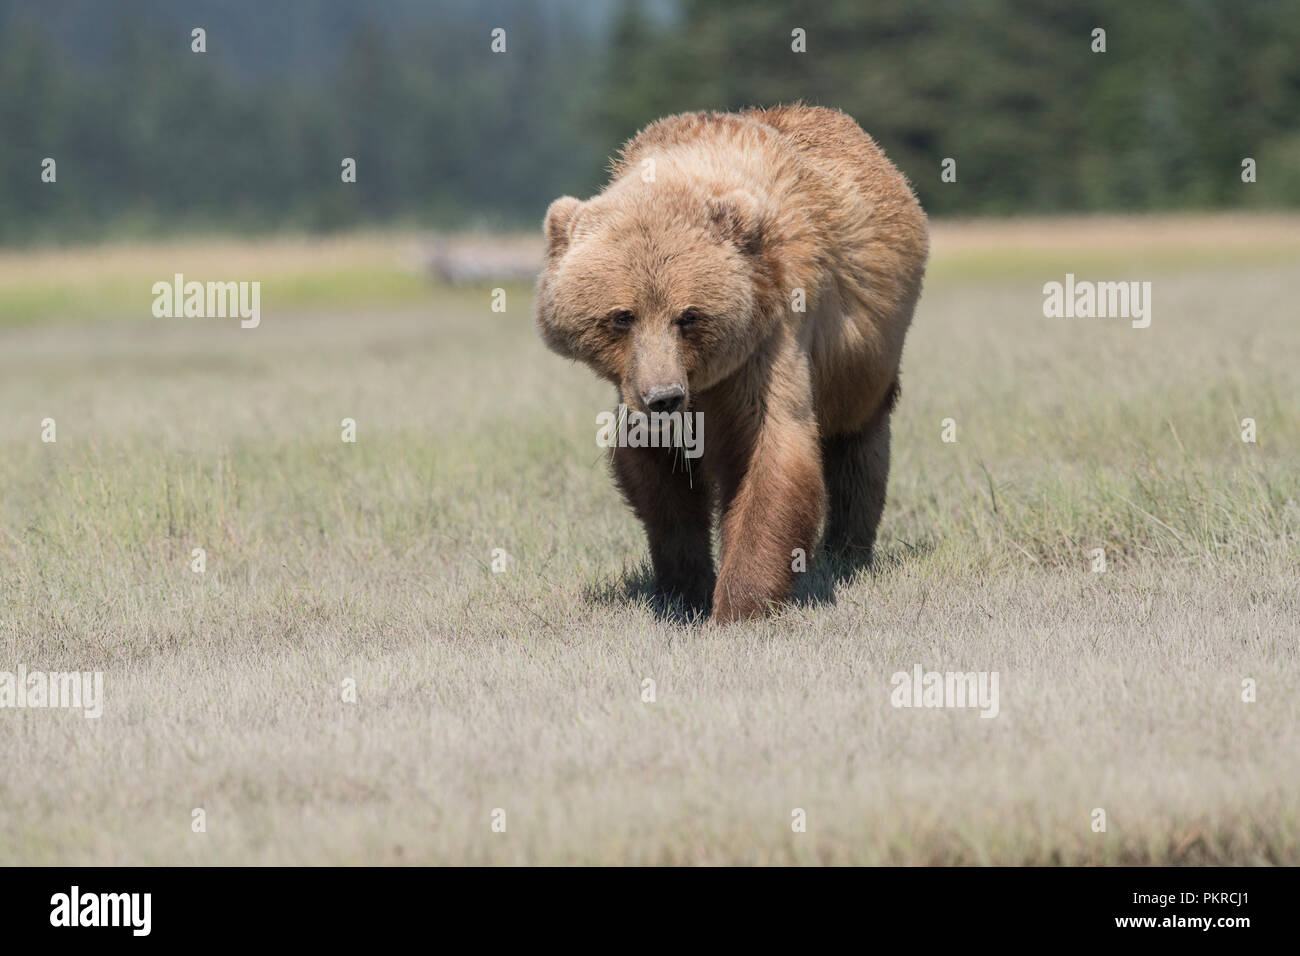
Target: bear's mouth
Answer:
[[681, 430]]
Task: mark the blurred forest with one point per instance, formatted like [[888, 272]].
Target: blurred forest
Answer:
[[151, 138]]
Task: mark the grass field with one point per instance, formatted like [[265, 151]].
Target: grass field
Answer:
[[521, 690]]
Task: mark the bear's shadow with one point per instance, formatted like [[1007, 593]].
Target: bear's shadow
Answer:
[[814, 588]]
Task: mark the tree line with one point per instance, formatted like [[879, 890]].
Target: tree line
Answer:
[[151, 137]]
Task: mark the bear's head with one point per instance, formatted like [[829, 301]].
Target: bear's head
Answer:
[[659, 289]]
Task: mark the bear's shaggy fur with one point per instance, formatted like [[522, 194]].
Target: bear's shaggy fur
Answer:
[[683, 279]]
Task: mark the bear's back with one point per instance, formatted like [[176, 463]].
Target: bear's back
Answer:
[[850, 178], [843, 152], [721, 132]]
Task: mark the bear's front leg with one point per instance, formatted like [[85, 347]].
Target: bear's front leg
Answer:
[[672, 502], [774, 502]]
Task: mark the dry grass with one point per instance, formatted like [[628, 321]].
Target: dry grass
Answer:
[[522, 690]]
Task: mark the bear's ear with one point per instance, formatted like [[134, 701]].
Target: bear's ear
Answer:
[[737, 217], [560, 217]]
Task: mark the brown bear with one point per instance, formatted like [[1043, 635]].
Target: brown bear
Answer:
[[759, 268]]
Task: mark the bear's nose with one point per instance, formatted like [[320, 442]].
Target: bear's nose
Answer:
[[664, 399]]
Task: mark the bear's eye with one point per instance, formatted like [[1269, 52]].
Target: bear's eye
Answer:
[[621, 320], [688, 318]]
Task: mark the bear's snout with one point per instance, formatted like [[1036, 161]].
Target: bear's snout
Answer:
[[664, 399]]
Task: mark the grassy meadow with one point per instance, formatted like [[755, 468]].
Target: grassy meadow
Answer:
[[522, 689]]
